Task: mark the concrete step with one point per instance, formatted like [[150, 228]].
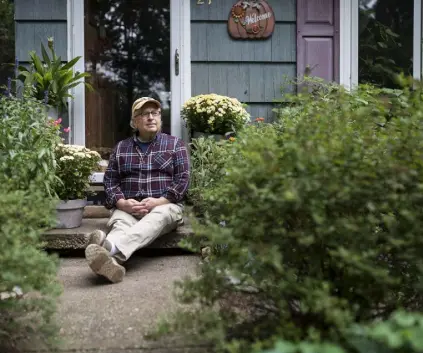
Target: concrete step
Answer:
[[77, 238], [94, 211]]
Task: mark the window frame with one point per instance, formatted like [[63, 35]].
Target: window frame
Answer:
[[349, 10]]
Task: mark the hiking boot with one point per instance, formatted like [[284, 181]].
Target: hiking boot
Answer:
[[103, 264], [99, 237]]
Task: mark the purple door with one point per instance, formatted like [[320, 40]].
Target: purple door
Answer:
[[318, 38]]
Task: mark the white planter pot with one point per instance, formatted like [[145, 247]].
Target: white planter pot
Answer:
[[53, 113], [70, 213]]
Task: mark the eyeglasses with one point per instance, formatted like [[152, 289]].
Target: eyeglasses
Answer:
[[145, 115]]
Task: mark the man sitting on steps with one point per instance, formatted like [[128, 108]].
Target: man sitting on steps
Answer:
[[145, 183]]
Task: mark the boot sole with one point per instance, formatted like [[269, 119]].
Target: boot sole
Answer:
[[102, 264]]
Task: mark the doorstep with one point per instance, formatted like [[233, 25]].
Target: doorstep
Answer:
[[77, 238]]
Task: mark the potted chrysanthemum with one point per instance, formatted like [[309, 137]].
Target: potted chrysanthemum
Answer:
[[214, 114], [75, 165]]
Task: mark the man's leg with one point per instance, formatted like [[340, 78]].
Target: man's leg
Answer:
[[100, 253], [129, 234], [118, 223]]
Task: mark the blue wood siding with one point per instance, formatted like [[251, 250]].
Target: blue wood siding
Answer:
[[252, 71], [36, 20]]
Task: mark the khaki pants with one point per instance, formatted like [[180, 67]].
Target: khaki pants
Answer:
[[130, 234]]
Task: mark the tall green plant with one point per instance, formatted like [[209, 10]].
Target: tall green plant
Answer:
[[28, 285], [322, 218], [208, 157], [28, 139], [49, 80]]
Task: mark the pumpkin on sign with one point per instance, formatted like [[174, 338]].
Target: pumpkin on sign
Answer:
[[251, 20]]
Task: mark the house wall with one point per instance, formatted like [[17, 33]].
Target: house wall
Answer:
[[252, 71], [36, 20]]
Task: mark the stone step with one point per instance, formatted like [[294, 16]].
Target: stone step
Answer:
[[94, 211], [77, 238]]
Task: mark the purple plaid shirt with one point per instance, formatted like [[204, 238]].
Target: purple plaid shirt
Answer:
[[163, 171]]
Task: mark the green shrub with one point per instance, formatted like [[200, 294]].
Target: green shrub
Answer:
[[322, 223], [26, 268], [400, 333], [27, 173], [27, 142], [208, 158]]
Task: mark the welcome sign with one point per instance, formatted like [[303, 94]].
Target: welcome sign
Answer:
[[251, 20]]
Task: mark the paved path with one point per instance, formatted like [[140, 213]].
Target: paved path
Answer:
[[96, 316]]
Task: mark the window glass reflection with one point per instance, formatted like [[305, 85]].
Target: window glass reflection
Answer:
[[127, 52], [7, 43], [385, 41]]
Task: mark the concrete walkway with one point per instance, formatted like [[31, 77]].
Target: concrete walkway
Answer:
[[96, 316]]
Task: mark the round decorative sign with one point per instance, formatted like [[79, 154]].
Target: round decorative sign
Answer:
[[252, 19]]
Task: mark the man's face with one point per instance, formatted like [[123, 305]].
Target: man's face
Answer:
[[148, 119]]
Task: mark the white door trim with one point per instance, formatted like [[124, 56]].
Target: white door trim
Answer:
[[417, 40], [345, 9], [349, 42], [180, 85], [76, 47]]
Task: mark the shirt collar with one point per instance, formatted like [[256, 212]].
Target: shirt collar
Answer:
[[155, 139]]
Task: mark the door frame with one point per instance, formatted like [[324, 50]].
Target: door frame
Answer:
[[180, 39], [349, 42]]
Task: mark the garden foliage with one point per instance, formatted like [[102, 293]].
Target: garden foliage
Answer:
[[208, 158], [316, 222], [401, 333], [50, 80], [28, 286]]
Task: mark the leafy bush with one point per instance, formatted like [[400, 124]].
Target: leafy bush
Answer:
[[27, 142], [26, 268], [215, 114], [400, 333], [28, 286], [323, 218], [208, 158]]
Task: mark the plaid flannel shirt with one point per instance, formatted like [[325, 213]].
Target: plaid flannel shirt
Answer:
[[163, 171]]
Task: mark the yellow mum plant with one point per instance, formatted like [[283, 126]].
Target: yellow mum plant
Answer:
[[214, 114]]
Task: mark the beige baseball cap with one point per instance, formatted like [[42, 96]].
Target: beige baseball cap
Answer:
[[143, 100]]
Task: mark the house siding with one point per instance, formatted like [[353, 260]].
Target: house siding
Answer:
[[36, 20], [252, 71]]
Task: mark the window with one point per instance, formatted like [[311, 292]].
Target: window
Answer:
[[127, 54], [385, 41], [7, 42], [380, 39]]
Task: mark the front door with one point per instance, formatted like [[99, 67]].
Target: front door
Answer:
[[131, 50]]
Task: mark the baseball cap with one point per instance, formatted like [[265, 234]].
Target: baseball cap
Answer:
[[141, 101]]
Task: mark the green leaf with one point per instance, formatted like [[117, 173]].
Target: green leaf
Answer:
[[283, 347], [46, 58], [37, 63], [71, 63]]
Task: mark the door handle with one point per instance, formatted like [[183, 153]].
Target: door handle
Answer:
[[176, 62]]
